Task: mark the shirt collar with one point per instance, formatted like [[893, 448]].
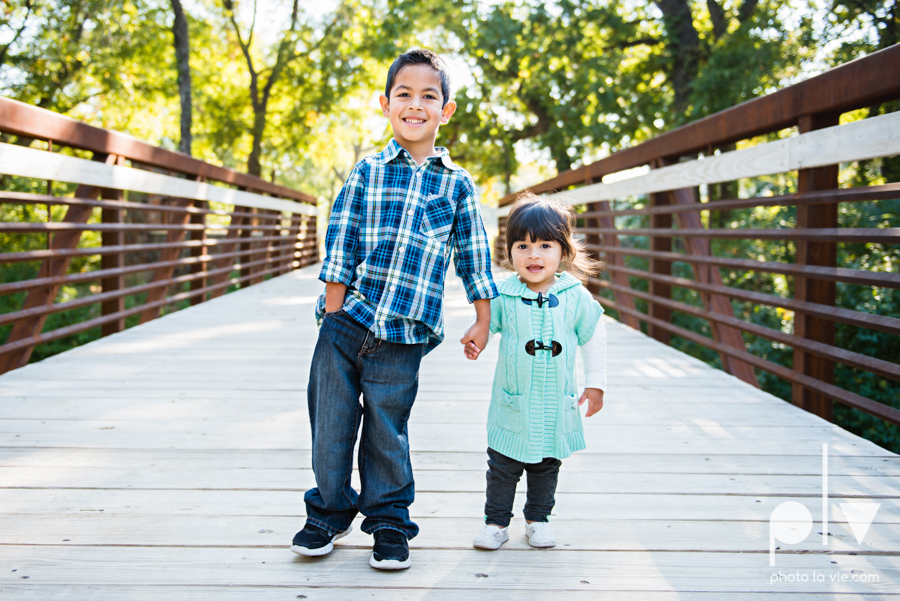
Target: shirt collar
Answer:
[[393, 150]]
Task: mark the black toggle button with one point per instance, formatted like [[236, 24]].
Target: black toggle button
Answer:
[[531, 346], [542, 300]]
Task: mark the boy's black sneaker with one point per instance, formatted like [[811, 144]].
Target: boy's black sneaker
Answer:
[[313, 541], [391, 551]]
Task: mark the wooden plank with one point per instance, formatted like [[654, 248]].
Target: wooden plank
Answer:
[[618, 409], [468, 505], [451, 437], [301, 479], [447, 569], [576, 533], [584, 463], [117, 592], [29, 162]]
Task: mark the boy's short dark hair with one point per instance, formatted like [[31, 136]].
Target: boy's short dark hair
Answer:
[[420, 56]]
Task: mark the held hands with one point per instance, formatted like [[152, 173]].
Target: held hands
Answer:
[[594, 397], [474, 340]]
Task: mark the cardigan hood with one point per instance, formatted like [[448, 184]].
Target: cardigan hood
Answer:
[[513, 286]]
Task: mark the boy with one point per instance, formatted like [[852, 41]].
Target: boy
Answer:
[[392, 229]]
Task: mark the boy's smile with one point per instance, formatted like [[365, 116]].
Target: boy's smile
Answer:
[[416, 109]]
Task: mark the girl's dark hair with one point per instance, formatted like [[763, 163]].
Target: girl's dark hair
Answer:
[[420, 56], [540, 218]]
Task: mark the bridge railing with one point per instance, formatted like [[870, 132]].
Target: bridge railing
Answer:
[[172, 229], [666, 195]]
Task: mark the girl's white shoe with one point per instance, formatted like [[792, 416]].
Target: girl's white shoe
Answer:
[[491, 537], [540, 535]]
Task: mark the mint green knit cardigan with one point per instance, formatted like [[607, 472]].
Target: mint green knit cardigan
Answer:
[[534, 402]]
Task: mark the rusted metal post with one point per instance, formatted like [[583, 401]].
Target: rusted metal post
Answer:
[[165, 273], [821, 254], [716, 303], [500, 241], [198, 251], [618, 278], [112, 261], [659, 266], [236, 221], [592, 240], [247, 245], [270, 249]]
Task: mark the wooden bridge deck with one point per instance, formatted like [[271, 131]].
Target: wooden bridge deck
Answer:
[[169, 462]]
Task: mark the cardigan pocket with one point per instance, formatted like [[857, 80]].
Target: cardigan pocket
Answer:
[[571, 414], [510, 415]]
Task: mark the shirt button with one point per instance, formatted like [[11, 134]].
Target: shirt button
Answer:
[[402, 248], [381, 322], [393, 288], [410, 212]]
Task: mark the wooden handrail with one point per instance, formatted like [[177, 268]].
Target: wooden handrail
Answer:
[[270, 230], [30, 121]]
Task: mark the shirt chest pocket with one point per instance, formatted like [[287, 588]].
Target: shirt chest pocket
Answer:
[[437, 218]]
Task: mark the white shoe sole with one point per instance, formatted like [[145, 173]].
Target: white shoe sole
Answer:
[[490, 546], [389, 564], [321, 550], [543, 546]]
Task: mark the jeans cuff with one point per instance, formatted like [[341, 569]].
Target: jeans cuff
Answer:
[[502, 522], [533, 517], [376, 528], [323, 526]]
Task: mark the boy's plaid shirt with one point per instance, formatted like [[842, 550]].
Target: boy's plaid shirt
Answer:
[[390, 236]]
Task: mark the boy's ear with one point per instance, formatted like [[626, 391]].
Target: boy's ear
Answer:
[[448, 111], [385, 105]]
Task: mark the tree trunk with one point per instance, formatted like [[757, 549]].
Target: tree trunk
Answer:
[[254, 167], [683, 50], [182, 58]]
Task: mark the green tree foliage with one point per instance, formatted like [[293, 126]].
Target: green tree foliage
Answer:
[[578, 79]]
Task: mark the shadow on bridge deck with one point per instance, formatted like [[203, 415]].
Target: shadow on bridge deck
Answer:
[[169, 461]]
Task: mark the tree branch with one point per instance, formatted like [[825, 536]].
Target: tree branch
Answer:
[[282, 60], [718, 18], [28, 6], [636, 42], [746, 11]]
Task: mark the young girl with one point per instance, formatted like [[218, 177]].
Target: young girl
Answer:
[[543, 313]]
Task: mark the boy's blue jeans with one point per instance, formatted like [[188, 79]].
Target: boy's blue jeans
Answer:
[[350, 361]]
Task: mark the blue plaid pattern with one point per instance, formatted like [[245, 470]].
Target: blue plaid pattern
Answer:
[[392, 230]]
